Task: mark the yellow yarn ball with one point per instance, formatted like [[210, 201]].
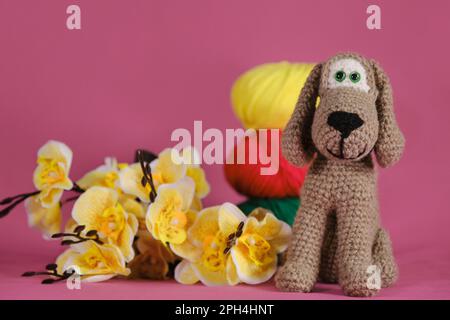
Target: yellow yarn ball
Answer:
[[265, 96]]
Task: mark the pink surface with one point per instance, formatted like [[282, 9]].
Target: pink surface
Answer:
[[139, 69]]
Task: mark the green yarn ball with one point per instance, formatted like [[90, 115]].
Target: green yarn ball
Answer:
[[284, 209]]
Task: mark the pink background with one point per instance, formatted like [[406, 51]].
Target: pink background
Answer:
[[139, 69]]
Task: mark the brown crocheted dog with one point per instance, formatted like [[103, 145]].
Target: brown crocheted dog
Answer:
[[337, 234]]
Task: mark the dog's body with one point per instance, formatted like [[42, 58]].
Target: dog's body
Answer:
[[337, 234]]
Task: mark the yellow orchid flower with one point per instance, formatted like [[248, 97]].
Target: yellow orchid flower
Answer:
[[130, 182], [106, 175], [136, 208], [231, 248], [201, 185], [169, 216], [129, 204], [255, 253], [197, 204], [51, 175], [205, 254], [94, 262], [47, 220], [191, 158], [164, 171], [98, 208]]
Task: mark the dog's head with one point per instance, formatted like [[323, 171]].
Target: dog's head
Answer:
[[355, 114]]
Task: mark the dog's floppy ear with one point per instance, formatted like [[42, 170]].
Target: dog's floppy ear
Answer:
[[296, 141], [390, 143]]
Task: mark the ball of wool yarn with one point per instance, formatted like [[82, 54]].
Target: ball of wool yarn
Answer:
[[284, 209], [265, 96], [247, 178]]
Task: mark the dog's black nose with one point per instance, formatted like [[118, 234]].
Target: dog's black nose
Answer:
[[344, 122]]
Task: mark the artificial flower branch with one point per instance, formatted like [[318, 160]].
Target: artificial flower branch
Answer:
[[17, 200], [71, 199], [147, 177], [51, 271], [90, 235], [77, 188], [129, 215], [145, 154], [231, 240], [22, 197]]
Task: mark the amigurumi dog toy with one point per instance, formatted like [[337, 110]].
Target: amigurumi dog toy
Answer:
[[337, 235]]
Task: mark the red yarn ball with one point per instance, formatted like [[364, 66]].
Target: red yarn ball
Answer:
[[247, 179]]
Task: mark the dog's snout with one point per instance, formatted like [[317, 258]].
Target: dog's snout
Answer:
[[344, 122]]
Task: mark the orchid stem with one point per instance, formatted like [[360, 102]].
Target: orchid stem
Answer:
[[77, 188], [23, 195], [51, 271], [90, 235], [147, 175], [19, 199], [69, 200]]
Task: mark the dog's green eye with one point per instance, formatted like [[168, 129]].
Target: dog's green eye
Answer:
[[339, 76], [355, 77]]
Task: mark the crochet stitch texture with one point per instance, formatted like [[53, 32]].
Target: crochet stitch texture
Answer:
[[337, 235]]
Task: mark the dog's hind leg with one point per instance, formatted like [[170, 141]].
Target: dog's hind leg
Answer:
[[383, 257]]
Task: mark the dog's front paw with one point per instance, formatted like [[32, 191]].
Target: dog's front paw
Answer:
[[291, 278]]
